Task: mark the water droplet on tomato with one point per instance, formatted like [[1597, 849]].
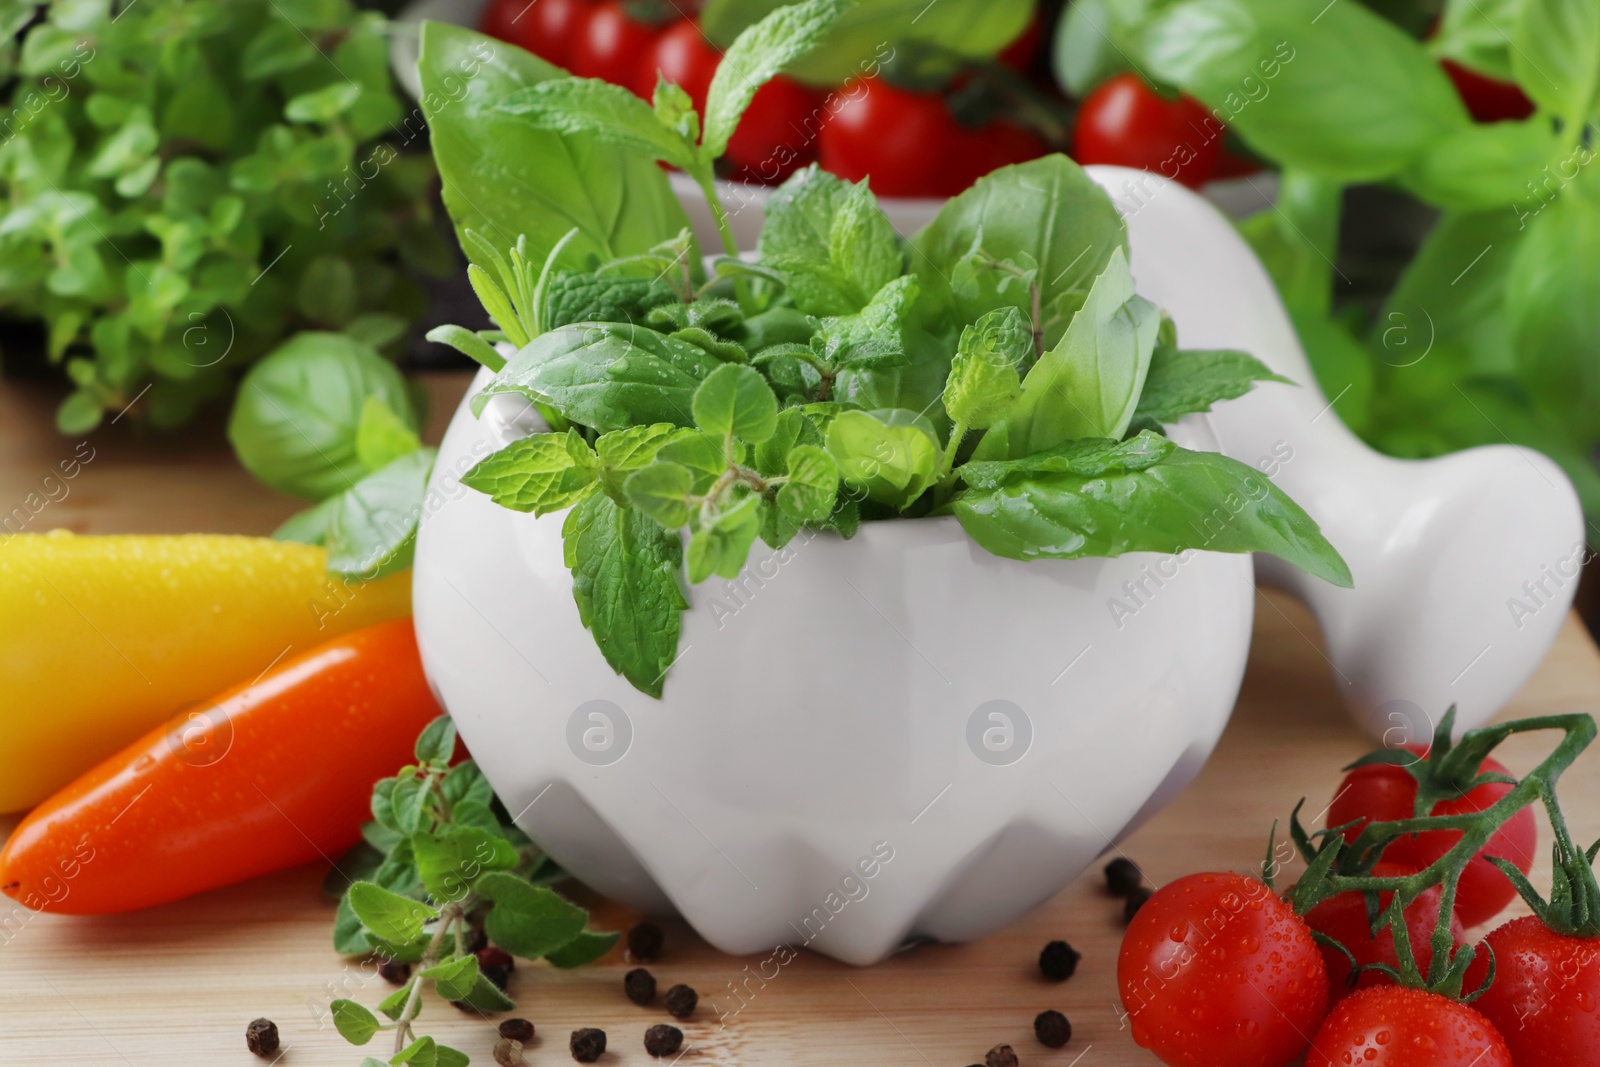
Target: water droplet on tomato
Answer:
[[1248, 1028]]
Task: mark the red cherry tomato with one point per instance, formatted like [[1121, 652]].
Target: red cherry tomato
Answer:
[[1393, 1027], [609, 45], [1215, 969], [1545, 1000], [1488, 99], [1384, 792], [778, 133], [499, 18], [1344, 918], [1126, 123], [682, 56], [1024, 48], [904, 143], [546, 28], [1002, 144]]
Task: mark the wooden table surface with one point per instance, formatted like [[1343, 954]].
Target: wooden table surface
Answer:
[[177, 984]]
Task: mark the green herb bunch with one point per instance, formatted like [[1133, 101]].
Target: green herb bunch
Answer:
[[1490, 333], [442, 860], [188, 182], [998, 367]]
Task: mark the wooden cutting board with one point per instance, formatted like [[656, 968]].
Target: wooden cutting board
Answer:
[[177, 984]]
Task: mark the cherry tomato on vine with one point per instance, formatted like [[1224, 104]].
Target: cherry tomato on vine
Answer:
[[1385, 792], [544, 27], [683, 56], [1488, 99], [1545, 1000], [1389, 1026], [907, 144], [1126, 123], [1344, 918], [1216, 968], [1002, 144], [608, 44]]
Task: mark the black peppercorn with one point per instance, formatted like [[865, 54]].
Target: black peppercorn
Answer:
[[681, 1001], [644, 942], [1052, 1029], [588, 1044], [261, 1036], [395, 972], [663, 1040], [640, 986], [1135, 901], [508, 1053], [1058, 960], [1123, 876], [1000, 1056], [517, 1030]]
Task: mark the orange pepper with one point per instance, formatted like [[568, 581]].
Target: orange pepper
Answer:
[[273, 773]]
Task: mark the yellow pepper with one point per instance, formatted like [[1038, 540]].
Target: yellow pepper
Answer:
[[103, 638]]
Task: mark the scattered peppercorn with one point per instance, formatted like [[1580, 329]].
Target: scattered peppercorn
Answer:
[[640, 985], [663, 1040], [1135, 901], [395, 972], [1058, 960], [1001, 1056], [496, 965], [681, 1001], [588, 1044], [1123, 876], [517, 1030], [508, 1053], [262, 1037], [1052, 1029], [644, 942]]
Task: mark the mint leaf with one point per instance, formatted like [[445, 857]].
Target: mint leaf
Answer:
[[1188, 500], [625, 581], [1182, 382], [604, 297], [469, 344], [389, 915], [1087, 458], [607, 376], [452, 859], [721, 545], [754, 58], [454, 978], [382, 436], [984, 381], [608, 112], [813, 484], [373, 528], [891, 455], [354, 1023], [1088, 384], [437, 742], [873, 337], [1556, 57], [830, 242], [622, 452], [540, 473], [736, 400], [583, 949], [526, 920], [661, 491]]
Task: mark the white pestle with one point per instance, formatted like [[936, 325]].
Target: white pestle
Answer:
[[1464, 566]]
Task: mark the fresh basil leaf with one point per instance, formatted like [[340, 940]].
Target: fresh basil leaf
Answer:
[[755, 57], [1553, 304], [874, 337], [661, 491], [540, 473], [1349, 95], [867, 35], [625, 581], [984, 382], [389, 915], [452, 859], [1483, 166], [382, 436], [437, 742], [1189, 500], [1097, 39], [1477, 34], [504, 177], [1001, 214], [354, 1023], [1090, 457], [374, 529], [1182, 382], [526, 920], [1343, 365], [892, 456], [721, 545], [607, 375], [609, 113], [455, 978], [469, 344], [1297, 238], [1088, 385], [1555, 55], [297, 415], [736, 400], [575, 296], [308, 527], [583, 949], [813, 485]]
